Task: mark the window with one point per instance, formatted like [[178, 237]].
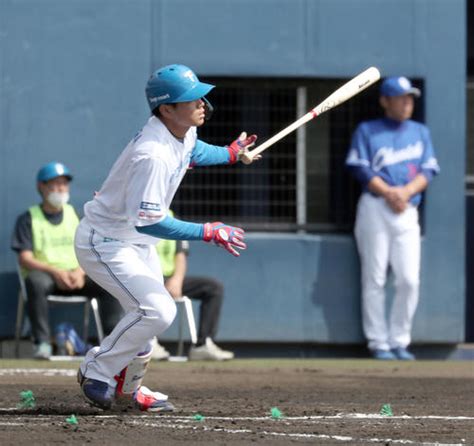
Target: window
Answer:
[[301, 182]]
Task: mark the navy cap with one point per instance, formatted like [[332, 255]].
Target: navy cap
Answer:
[[398, 86]]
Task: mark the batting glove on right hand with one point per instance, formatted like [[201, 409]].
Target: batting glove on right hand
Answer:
[[241, 146], [227, 237]]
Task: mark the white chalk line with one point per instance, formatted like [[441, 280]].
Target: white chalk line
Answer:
[[297, 435], [340, 416], [43, 372], [184, 422]]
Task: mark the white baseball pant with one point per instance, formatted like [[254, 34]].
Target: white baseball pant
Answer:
[[132, 274], [385, 239]]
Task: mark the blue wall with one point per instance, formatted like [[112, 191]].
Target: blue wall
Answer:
[[72, 76]]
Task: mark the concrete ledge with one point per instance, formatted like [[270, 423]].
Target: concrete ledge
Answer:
[[452, 352]]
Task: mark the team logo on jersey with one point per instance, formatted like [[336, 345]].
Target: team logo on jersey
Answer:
[[150, 206], [387, 156]]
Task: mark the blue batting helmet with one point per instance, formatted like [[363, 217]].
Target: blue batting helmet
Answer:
[[53, 170], [172, 84]]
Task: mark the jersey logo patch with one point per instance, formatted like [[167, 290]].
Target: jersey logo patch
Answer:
[[150, 206], [387, 156]]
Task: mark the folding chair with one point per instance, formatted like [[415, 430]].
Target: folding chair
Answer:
[[53, 298], [187, 306]]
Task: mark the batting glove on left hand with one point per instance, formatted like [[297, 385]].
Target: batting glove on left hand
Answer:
[[240, 146], [227, 237]]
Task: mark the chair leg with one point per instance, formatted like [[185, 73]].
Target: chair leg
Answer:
[[98, 321], [180, 333], [19, 323], [188, 305]]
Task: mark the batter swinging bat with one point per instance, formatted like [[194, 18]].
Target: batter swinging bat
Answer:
[[342, 94]]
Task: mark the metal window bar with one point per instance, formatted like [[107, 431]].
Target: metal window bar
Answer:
[[301, 108]]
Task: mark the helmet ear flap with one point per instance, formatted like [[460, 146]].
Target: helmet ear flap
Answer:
[[209, 109]]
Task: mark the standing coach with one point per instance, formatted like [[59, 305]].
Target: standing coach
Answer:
[[394, 160]]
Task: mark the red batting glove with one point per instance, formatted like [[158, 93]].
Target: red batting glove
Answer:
[[225, 236], [239, 146]]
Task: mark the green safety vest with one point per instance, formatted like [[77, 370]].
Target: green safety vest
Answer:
[[166, 250], [54, 244]]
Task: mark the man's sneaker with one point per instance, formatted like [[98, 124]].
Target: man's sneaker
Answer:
[[226, 354], [209, 352], [149, 401], [42, 350], [403, 354], [98, 393], [385, 355], [159, 353]]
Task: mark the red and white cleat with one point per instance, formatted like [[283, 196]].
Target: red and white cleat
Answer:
[[148, 401]]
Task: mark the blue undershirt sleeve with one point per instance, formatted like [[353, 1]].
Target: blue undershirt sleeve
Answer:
[[362, 174], [429, 163], [208, 155], [358, 158], [173, 229]]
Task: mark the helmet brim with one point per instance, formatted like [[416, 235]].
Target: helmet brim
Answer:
[[52, 177], [200, 90]]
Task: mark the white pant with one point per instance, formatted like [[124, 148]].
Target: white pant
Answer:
[[385, 239], [132, 274]]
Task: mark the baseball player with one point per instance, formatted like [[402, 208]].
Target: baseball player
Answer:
[[394, 160], [115, 241]]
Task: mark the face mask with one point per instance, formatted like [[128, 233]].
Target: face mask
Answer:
[[58, 199]]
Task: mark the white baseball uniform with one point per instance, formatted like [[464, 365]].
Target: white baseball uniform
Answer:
[[396, 152], [137, 192]]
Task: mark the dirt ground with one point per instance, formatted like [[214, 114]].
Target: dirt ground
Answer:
[[321, 401]]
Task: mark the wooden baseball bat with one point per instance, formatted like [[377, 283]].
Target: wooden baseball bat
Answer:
[[342, 94]]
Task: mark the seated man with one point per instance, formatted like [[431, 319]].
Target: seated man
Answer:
[[209, 291], [44, 240]]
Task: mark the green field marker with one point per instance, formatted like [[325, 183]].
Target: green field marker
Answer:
[[198, 417], [276, 413], [386, 410], [72, 420], [27, 400]]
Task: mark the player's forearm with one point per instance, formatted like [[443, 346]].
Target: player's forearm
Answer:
[[378, 186], [208, 155], [417, 185], [171, 228]]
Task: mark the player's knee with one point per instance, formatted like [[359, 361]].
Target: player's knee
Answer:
[[163, 314], [408, 283], [376, 281], [169, 313]]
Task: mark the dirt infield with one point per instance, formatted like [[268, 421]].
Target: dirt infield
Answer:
[[322, 402]]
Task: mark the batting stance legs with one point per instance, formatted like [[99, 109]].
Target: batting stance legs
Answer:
[[387, 239], [132, 274]]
